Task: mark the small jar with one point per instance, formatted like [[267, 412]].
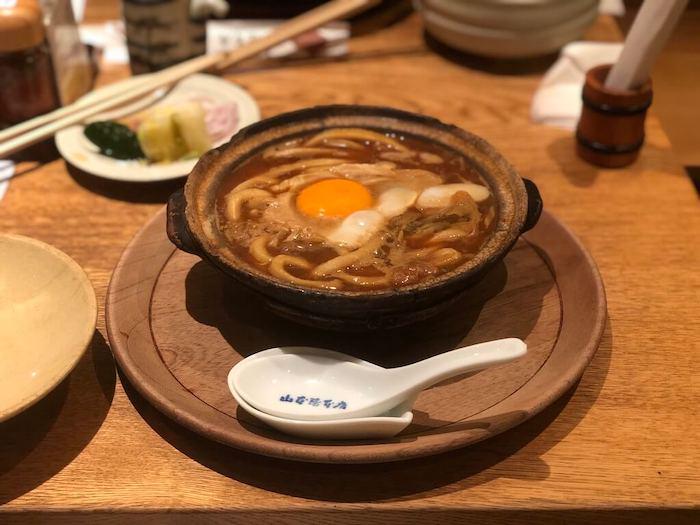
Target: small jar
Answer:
[[27, 86], [610, 132], [161, 33]]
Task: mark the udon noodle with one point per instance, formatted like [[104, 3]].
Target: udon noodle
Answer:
[[355, 209]]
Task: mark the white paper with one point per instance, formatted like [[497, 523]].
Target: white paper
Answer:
[[78, 10], [611, 7], [109, 37], [7, 170], [225, 35]]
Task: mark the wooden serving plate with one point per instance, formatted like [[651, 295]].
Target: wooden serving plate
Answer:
[[177, 325]]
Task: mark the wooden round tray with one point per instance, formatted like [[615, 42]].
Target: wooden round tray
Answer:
[[177, 325]]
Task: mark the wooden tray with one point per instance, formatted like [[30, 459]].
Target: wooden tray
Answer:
[[177, 325]]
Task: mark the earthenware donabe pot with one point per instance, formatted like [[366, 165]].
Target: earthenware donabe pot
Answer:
[[192, 224]]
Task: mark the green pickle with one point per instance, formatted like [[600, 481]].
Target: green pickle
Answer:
[[114, 140]]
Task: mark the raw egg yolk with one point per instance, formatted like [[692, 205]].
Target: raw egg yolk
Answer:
[[333, 198]]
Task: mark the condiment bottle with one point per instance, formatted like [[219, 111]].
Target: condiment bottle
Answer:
[[27, 86]]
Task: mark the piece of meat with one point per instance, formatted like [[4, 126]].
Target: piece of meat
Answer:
[[412, 273]]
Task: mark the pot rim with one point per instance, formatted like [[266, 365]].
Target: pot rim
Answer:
[[512, 203]]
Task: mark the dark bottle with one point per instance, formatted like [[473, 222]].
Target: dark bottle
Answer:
[[27, 86]]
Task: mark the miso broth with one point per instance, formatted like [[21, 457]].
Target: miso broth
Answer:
[[354, 209]]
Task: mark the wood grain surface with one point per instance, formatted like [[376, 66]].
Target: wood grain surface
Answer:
[[620, 447], [177, 325]]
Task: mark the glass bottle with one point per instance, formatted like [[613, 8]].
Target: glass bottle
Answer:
[[27, 86]]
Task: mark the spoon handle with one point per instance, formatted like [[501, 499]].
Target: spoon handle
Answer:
[[469, 358]]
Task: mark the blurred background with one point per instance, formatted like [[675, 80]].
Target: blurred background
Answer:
[[500, 36], [676, 73]]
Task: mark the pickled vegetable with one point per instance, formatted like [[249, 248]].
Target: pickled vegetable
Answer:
[[190, 121], [174, 132], [114, 140], [166, 134], [159, 137]]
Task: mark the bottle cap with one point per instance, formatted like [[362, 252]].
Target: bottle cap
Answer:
[[21, 25]]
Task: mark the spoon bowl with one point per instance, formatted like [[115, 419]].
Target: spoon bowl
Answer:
[[380, 427], [313, 384]]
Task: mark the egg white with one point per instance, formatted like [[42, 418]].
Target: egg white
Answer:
[[396, 191]]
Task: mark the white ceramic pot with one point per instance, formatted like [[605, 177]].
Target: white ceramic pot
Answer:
[[505, 43], [524, 15]]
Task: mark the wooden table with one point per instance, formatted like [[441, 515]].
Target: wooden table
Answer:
[[621, 447]]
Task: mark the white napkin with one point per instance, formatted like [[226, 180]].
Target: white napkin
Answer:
[[225, 35], [557, 101], [78, 9], [611, 7], [201, 9], [109, 37], [7, 170]]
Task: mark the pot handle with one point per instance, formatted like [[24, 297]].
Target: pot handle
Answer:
[[534, 205], [176, 223]]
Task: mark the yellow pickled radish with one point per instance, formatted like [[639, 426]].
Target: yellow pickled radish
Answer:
[[170, 133], [190, 123], [159, 138]]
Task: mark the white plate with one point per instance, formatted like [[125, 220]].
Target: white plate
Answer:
[[47, 320], [84, 155]]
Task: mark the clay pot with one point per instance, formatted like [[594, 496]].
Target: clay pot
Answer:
[[192, 224]]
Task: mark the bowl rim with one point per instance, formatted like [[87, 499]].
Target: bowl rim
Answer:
[[82, 338], [498, 242]]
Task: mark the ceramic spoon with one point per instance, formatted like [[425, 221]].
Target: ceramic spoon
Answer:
[[380, 427], [313, 384]]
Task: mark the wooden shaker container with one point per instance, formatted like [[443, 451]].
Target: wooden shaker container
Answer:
[[610, 131]]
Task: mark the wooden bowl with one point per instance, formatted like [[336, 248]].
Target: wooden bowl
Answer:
[[47, 319], [192, 225]]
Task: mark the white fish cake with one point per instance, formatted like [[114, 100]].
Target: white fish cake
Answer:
[[357, 228], [440, 196]]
